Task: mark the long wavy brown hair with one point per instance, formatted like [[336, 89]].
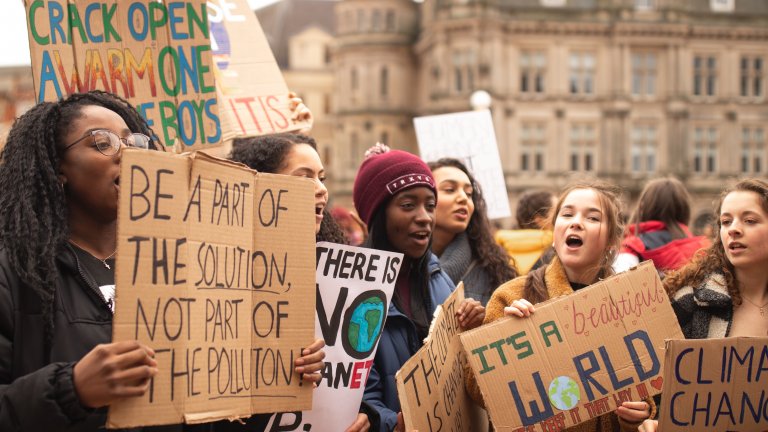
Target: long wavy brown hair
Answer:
[[535, 289], [713, 259]]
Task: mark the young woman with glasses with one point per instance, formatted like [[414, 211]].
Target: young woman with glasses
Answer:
[[59, 184]]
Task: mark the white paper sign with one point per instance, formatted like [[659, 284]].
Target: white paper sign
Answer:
[[470, 138], [354, 290]]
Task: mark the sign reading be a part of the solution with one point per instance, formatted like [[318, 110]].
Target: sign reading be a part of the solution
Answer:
[[578, 357], [215, 272]]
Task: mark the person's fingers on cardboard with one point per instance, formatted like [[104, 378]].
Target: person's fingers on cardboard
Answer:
[[513, 311], [310, 351], [313, 378], [523, 306], [632, 415]]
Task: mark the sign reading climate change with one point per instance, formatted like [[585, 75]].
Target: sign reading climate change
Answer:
[[716, 385], [215, 273], [607, 340], [354, 289]]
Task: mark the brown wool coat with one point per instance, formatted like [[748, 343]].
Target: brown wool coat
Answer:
[[557, 285]]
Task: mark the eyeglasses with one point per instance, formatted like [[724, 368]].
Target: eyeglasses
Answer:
[[108, 143]]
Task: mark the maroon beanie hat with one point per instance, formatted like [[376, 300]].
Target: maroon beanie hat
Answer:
[[383, 174]]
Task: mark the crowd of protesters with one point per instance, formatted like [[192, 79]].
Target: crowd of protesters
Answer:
[[59, 184]]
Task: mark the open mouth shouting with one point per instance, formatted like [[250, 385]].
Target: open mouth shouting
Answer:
[[420, 237], [319, 207], [574, 242]]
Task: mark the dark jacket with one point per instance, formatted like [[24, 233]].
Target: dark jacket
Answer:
[[36, 388], [398, 343]]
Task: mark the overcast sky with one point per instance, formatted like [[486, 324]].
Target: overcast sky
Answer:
[[13, 31]]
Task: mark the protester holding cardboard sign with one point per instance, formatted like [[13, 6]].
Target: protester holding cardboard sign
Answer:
[[58, 229], [587, 235], [463, 240], [395, 195], [296, 155], [724, 291]]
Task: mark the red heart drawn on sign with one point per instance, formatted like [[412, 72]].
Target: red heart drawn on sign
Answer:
[[657, 383]]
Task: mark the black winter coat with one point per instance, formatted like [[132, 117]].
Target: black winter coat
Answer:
[[36, 387]]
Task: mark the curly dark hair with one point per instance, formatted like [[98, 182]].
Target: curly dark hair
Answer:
[[268, 154], [531, 205], [34, 223], [713, 259], [490, 255]]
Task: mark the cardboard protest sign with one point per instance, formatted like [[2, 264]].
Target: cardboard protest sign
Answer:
[[354, 289], [469, 137], [578, 357], [430, 385], [715, 385], [251, 89], [155, 54], [215, 273]]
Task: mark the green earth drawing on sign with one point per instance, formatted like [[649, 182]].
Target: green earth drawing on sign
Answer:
[[564, 393], [365, 324]]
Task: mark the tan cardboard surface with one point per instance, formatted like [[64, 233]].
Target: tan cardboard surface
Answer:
[[155, 54], [716, 385], [215, 272], [253, 94], [578, 356], [430, 385]]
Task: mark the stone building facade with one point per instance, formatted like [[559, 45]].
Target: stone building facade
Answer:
[[626, 90]]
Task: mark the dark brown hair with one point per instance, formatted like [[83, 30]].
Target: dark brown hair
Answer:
[[665, 200], [492, 257], [532, 205], [713, 259]]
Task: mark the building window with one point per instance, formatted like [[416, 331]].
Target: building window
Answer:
[[751, 83], [704, 75], [643, 149], [463, 71], [384, 84], [390, 20], [644, 74], [582, 75], [327, 103], [533, 68], [533, 144], [353, 78], [752, 151], [376, 23], [704, 150], [583, 147], [644, 5]]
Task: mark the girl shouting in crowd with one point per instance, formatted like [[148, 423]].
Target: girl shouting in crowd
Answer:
[[296, 155], [587, 234], [59, 177], [462, 237], [395, 195]]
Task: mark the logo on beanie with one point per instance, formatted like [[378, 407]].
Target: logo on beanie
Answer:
[[409, 180]]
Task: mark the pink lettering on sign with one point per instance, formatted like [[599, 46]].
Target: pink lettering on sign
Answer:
[[614, 309]]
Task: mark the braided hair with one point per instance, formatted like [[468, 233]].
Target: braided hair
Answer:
[[34, 224], [268, 154]]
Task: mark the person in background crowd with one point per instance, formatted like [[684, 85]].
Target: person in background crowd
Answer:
[[350, 223], [531, 244], [724, 291], [587, 235], [658, 229], [704, 225], [462, 237], [296, 155], [59, 173], [395, 195]]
